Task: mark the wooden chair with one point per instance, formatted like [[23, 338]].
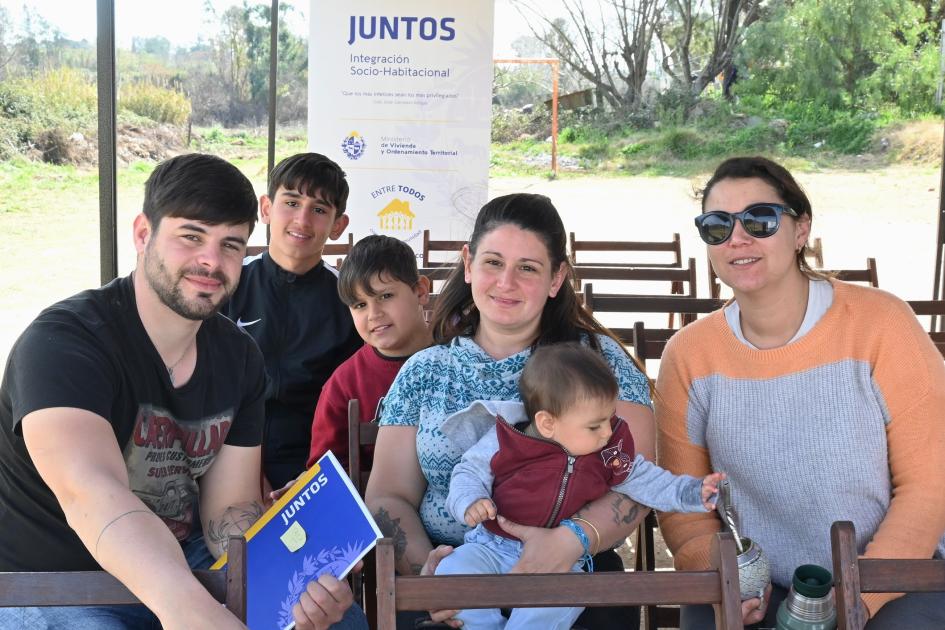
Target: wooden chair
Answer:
[[672, 246], [935, 308], [430, 245], [853, 575], [649, 343], [331, 249], [718, 586], [361, 434], [868, 276], [677, 277], [688, 307], [98, 588]]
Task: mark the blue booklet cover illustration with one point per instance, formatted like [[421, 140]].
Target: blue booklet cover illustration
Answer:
[[319, 526]]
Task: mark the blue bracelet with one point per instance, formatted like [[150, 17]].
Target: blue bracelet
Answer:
[[586, 559]]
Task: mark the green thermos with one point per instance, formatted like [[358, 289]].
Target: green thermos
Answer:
[[809, 604]]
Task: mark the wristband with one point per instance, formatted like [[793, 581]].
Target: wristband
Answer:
[[585, 559], [594, 529]]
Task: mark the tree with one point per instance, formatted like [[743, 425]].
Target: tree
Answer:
[[698, 38], [608, 44], [842, 53]]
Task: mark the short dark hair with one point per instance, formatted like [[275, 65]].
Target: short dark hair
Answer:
[[308, 174], [558, 375], [373, 256], [201, 187]]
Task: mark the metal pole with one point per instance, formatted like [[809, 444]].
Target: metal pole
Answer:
[[941, 66], [107, 176], [554, 118], [273, 73], [937, 289]]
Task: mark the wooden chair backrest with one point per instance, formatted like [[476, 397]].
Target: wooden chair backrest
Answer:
[[98, 588], [361, 434], [935, 308], [688, 307], [673, 246], [430, 245], [717, 586], [869, 276], [331, 249], [682, 279], [649, 343], [853, 575]]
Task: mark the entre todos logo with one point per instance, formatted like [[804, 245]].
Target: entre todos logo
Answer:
[[396, 213], [354, 145]]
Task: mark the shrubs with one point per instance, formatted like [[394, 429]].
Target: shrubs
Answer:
[[42, 113], [155, 103]]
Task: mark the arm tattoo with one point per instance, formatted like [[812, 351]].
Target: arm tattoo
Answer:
[[391, 528], [234, 521], [624, 515]]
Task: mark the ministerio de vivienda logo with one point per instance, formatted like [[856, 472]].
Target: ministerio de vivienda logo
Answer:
[[354, 145]]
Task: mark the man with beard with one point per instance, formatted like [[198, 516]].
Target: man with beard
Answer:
[[131, 420]]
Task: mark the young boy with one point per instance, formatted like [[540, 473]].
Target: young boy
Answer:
[[385, 294], [287, 300], [540, 462]]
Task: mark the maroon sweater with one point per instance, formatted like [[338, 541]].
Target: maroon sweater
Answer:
[[538, 483], [366, 375]]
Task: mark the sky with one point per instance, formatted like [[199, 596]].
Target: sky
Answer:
[[183, 22]]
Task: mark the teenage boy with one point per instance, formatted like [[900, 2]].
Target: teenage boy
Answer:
[[385, 294], [124, 409], [288, 302]]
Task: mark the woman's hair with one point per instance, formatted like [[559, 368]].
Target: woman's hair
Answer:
[[563, 317], [778, 178], [559, 375]]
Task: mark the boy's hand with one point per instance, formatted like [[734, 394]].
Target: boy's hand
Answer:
[[275, 495], [481, 510], [710, 488]]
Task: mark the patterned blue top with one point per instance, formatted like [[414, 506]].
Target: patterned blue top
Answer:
[[439, 381]]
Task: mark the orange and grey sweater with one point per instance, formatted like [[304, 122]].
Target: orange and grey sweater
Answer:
[[846, 423]]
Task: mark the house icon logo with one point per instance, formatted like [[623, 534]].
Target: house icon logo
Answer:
[[396, 216]]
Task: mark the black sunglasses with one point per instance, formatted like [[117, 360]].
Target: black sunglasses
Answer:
[[760, 220]]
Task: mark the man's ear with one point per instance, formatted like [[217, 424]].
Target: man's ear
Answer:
[[545, 423], [422, 290], [265, 209], [339, 226], [141, 232]]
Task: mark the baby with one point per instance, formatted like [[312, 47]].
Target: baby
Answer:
[[541, 461]]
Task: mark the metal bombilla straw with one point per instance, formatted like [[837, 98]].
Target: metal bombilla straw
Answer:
[[726, 509]]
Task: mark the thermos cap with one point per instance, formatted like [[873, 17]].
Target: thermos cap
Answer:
[[811, 580]]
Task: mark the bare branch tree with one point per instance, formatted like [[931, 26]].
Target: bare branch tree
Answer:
[[721, 25], [607, 44]]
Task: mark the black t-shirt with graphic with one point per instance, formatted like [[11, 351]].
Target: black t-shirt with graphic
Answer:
[[92, 352]]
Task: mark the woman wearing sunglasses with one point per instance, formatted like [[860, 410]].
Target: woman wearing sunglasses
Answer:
[[821, 400]]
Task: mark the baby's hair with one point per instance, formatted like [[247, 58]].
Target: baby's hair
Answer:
[[559, 375]]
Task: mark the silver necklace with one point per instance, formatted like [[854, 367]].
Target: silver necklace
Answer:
[[171, 368]]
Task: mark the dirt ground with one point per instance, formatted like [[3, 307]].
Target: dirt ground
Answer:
[[890, 214]]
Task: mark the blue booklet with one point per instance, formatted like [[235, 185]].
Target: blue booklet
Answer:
[[319, 526]]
